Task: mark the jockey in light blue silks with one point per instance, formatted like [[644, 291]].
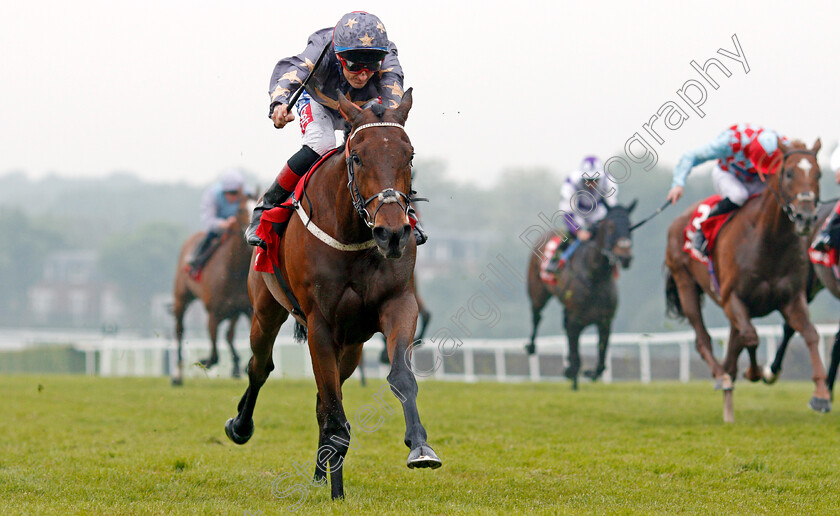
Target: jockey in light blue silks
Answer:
[[362, 62], [585, 196], [744, 153], [219, 206]]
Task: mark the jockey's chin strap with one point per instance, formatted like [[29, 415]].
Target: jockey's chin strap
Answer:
[[386, 196], [787, 206]]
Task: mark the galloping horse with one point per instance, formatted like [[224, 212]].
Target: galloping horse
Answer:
[[341, 297], [761, 263], [223, 289], [586, 287], [819, 277], [425, 317]]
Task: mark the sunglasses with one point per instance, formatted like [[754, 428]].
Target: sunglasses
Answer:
[[356, 67]]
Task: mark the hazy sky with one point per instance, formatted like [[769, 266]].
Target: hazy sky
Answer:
[[178, 90]]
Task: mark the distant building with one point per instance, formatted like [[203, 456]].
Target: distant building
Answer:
[[73, 293]]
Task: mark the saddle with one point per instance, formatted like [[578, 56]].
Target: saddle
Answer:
[[700, 221], [274, 221]]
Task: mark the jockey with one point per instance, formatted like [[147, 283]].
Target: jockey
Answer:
[[360, 61], [219, 206], [829, 237], [744, 153], [583, 211]]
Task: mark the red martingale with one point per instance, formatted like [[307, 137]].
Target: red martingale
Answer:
[[273, 222], [710, 227]]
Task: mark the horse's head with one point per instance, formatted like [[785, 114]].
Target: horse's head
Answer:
[[614, 234], [799, 184], [378, 154]]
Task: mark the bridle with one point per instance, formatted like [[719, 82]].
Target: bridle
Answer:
[[787, 205], [386, 196]]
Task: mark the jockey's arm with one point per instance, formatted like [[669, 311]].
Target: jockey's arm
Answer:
[[391, 79], [716, 149], [289, 73]]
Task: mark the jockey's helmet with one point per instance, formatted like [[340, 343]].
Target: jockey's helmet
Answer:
[[360, 41]]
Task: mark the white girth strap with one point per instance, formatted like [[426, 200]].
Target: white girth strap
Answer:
[[321, 235]]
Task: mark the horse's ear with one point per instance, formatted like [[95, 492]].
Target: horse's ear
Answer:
[[817, 146], [781, 144], [348, 109], [632, 206], [404, 107]]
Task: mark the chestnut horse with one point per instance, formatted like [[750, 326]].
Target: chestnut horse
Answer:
[[342, 286], [819, 277], [761, 264], [585, 287], [223, 289]]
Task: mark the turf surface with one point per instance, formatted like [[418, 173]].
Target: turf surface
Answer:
[[85, 445]]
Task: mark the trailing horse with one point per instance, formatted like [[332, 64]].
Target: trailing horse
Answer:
[[223, 289], [761, 266], [342, 286], [585, 287], [820, 276]]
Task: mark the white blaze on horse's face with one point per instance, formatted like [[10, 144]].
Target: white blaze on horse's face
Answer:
[[805, 165]]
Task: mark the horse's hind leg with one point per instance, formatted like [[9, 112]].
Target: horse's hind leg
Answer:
[[604, 328], [689, 293], [236, 373], [179, 308], [539, 296], [268, 317], [771, 373], [425, 318], [398, 319], [733, 351], [213, 329]]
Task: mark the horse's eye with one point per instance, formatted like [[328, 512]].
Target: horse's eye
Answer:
[[789, 174], [356, 159]]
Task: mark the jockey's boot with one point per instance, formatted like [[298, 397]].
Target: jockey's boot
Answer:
[[723, 207], [419, 234], [828, 237], [280, 190], [202, 252]]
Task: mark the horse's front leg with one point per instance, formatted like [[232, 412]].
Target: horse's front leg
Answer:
[[604, 328], [398, 319], [573, 331], [796, 315]]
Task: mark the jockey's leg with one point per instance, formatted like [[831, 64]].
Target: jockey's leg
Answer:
[[734, 193], [318, 127], [419, 234], [202, 252], [829, 237]]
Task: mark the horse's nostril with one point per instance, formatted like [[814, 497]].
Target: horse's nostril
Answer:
[[381, 234]]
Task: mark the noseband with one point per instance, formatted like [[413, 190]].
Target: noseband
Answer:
[[386, 196]]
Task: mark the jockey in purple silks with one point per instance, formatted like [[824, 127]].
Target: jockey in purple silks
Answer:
[[360, 62], [586, 194]]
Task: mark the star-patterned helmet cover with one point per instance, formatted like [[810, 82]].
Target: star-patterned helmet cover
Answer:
[[359, 31]]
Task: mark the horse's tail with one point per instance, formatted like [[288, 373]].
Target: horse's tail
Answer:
[[300, 333], [672, 298]]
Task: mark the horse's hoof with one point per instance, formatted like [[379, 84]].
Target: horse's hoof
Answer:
[[235, 437], [752, 376], [820, 404], [423, 456], [530, 348], [724, 383], [208, 362], [177, 382], [236, 373], [593, 374], [768, 376]]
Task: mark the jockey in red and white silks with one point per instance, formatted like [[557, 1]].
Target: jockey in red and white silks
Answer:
[[744, 153]]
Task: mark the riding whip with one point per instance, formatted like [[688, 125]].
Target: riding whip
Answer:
[[296, 95], [657, 212]]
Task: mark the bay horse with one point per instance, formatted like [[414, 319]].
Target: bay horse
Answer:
[[425, 317], [585, 287], [761, 265], [222, 289], [819, 277], [341, 297]]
